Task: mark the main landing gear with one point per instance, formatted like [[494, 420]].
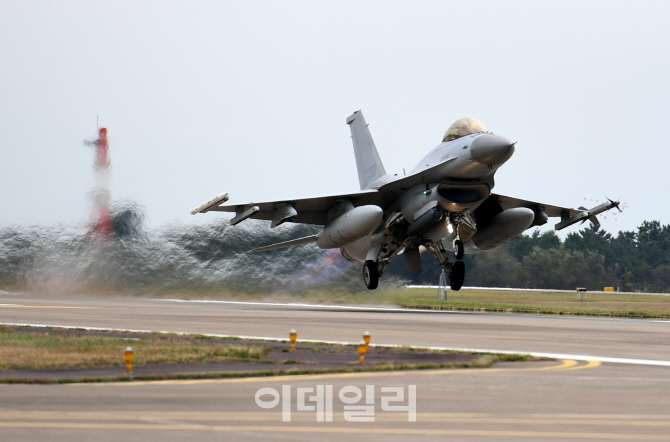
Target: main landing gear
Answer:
[[398, 240], [370, 274], [457, 275], [455, 271]]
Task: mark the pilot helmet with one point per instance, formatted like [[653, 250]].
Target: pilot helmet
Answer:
[[463, 127]]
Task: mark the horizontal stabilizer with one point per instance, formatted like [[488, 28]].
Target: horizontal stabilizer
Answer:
[[281, 245]]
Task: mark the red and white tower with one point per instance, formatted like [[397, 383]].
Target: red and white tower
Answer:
[[101, 221]]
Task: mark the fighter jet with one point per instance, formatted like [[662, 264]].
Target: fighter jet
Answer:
[[445, 205]]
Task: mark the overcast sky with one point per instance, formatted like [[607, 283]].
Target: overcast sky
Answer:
[[251, 98]]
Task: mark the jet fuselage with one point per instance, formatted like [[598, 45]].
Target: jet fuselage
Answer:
[[459, 176]]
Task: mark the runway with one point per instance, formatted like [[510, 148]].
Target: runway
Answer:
[[520, 401], [575, 336], [546, 400]]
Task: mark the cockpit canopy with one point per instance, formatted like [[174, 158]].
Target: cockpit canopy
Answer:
[[463, 127]]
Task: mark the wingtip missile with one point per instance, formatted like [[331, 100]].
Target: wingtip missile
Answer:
[[604, 207], [615, 204], [590, 214], [217, 201]]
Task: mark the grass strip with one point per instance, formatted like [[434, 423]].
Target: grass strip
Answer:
[[608, 304], [54, 349], [483, 362], [548, 303]]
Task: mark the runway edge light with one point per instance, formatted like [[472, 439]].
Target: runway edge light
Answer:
[[366, 338], [294, 337], [128, 356], [362, 349]]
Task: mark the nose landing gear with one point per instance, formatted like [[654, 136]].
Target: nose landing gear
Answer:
[[457, 273], [459, 249]]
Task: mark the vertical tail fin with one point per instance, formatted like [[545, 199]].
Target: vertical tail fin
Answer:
[[368, 163]]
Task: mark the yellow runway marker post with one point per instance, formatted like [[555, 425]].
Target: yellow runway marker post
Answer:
[[294, 337], [362, 349], [128, 356]]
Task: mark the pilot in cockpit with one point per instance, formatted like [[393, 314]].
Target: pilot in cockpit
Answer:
[[462, 127]]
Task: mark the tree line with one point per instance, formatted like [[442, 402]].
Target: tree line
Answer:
[[593, 258]]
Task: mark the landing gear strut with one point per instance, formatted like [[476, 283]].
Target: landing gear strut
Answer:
[[370, 274], [456, 271], [459, 250]]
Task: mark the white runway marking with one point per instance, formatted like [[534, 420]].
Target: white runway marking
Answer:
[[612, 360], [318, 306], [509, 289], [374, 309]]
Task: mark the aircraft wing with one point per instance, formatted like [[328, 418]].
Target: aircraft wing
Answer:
[[507, 202], [305, 211], [568, 216], [315, 210]]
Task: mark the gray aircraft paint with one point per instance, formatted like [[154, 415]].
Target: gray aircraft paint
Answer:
[[447, 198], [368, 162]]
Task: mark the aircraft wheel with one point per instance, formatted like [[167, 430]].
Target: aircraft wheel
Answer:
[[459, 249], [457, 275], [370, 274]]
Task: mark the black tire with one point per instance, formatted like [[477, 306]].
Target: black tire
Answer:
[[370, 275], [459, 249], [457, 276]]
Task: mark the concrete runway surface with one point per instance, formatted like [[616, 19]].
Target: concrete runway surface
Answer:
[[567, 399]]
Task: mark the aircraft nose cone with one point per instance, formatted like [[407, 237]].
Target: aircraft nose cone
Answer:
[[491, 149]]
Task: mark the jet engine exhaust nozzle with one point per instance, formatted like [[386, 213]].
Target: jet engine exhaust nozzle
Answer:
[[491, 149]]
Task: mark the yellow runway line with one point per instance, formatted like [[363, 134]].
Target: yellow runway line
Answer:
[[331, 430], [42, 306], [589, 364], [264, 417], [564, 365], [256, 379]]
